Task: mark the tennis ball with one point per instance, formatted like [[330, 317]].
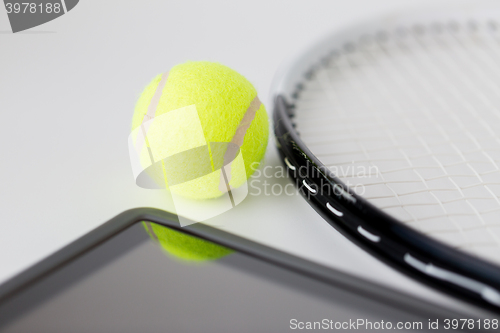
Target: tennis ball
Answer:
[[229, 111], [183, 246]]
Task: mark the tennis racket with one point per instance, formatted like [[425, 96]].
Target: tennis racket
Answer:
[[391, 130]]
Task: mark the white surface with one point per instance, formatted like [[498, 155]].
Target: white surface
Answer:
[[67, 92]]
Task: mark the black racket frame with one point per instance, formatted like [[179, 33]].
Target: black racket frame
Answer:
[[395, 240]]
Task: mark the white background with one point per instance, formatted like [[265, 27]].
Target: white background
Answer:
[[67, 93]]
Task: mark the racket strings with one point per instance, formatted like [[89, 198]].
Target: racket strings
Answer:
[[411, 122], [452, 66]]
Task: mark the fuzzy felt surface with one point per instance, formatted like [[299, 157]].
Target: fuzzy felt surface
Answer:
[[220, 96], [185, 247]]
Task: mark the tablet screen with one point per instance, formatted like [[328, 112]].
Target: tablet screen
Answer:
[[136, 283]]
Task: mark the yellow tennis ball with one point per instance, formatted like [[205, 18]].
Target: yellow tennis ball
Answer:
[[193, 120], [183, 246]]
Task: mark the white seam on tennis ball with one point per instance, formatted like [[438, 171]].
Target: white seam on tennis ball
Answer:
[[151, 231], [238, 138], [150, 114], [228, 188]]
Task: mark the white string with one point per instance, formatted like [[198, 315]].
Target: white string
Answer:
[[423, 111]]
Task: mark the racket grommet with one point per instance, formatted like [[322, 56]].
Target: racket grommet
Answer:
[[309, 187], [368, 235], [333, 210], [289, 165]]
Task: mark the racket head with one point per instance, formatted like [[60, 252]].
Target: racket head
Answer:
[[376, 230], [292, 70]]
